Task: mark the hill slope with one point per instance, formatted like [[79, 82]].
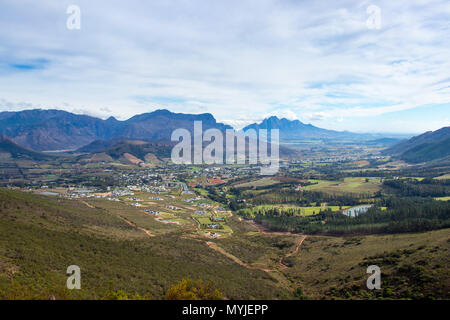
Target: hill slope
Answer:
[[9, 147], [427, 152], [429, 146], [41, 236], [134, 151]]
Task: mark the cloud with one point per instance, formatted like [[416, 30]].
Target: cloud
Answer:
[[239, 60], [283, 113], [317, 116], [6, 105]]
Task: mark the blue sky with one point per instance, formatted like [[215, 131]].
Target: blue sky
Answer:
[[316, 61]]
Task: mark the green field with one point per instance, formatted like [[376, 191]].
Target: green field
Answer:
[[263, 182], [347, 185], [305, 211]]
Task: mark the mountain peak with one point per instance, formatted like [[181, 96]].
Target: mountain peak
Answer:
[[111, 119], [295, 129], [161, 112]]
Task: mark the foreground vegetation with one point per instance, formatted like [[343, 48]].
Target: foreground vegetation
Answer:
[[41, 236]]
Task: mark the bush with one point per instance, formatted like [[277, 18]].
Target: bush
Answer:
[[188, 289]]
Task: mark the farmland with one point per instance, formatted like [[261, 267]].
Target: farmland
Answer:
[[368, 185]]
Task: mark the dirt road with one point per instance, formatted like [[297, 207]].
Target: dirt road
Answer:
[[214, 246], [135, 226], [281, 264], [87, 204]]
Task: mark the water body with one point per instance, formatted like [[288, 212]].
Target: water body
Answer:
[[48, 193], [355, 211]]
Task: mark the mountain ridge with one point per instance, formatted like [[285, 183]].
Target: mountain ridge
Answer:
[[58, 130], [295, 129], [44, 130]]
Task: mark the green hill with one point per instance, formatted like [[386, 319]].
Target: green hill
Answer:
[[427, 152], [7, 146], [116, 148], [430, 146], [41, 236]]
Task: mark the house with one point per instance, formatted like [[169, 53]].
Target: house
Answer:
[[212, 234], [155, 213]]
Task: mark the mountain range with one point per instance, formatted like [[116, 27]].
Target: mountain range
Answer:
[[56, 130], [295, 130], [51, 130]]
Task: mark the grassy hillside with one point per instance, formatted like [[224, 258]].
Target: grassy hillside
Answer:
[[427, 152], [41, 236], [17, 152], [429, 146], [413, 266]]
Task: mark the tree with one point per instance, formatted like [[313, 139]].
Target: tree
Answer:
[[188, 289]]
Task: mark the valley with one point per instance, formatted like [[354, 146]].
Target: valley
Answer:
[[137, 224]]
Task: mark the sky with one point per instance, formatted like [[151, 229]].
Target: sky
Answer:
[[363, 66]]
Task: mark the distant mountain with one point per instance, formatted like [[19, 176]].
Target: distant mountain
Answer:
[[137, 150], [295, 129], [60, 130], [53, 129], [10, 149], [159, 125], [429, 146], [102, 145]]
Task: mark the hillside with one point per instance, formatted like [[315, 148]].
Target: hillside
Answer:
[[40, 236], [432, 145], [134, 151], [427, 152], [10, 149]]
